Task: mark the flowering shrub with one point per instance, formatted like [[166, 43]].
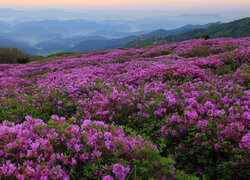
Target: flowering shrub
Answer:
[[189, 99], [59, 150]]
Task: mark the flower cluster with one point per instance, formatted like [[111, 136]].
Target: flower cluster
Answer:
[[189, 99], [58, 150]]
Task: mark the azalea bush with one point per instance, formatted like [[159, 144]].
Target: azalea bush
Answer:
[[178, 110], [60, 150]]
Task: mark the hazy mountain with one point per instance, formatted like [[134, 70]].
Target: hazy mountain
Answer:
[[138, 17], [15, 44], [4, 26], [71, 41], [80, 26], [188, 27], [235, 29], [49, 47], [50, 29], [114, 43], [114, 34], [65, 21], [199, 17], [174, 22], [183, 29], [34, 26], [91, 45], [38, 33], [109, 33]]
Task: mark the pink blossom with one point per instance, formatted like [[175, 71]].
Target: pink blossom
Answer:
[[108, 177]]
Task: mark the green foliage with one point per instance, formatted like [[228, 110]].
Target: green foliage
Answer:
[[205, 36], [205, 50], [61, 54], [235, 29], [153, 165], [13, 55], [37, 58], [38, 105]]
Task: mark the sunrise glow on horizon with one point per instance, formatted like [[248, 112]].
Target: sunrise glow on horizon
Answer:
[[126, 3]]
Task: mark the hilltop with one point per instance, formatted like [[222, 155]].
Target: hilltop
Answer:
[[234, 29], [181, 30]]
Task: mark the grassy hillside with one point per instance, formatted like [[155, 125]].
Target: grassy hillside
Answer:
[[160, 40], [181, 30], [235, 29]]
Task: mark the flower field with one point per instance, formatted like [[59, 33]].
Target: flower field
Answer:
[[176, 111]]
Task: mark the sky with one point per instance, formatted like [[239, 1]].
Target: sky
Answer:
[[98, 9], [128, 3]]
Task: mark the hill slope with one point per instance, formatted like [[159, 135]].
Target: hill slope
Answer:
[[235, 29], [181, 30]]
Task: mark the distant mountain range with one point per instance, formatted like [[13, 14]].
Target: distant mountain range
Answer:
[[91, 45], [181, 30], [5, 42], [97, 19], [51, 36], [234, 29], [62, 44]]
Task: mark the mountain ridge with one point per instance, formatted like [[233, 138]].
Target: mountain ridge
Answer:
[[234, 29], [52, 42]]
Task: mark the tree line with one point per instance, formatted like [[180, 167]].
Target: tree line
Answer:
[[13, 55]]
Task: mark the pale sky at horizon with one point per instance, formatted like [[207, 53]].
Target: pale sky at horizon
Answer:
[[127, 3]]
